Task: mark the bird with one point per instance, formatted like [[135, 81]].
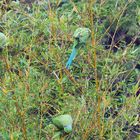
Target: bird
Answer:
[[63, 122], [81, 36]]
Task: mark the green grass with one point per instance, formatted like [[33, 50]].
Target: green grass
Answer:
[[99, 91]]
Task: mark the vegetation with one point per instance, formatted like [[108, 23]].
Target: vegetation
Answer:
[[100, 90]]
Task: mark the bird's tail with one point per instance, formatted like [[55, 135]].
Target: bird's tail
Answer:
[[72, 56]]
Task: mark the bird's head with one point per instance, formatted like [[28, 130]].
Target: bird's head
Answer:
[[68, 128], [81, 35]]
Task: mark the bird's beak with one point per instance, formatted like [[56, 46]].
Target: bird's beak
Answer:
[[68, 128]]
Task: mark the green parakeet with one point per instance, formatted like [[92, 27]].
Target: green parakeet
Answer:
[[63, 122], [81, 35]]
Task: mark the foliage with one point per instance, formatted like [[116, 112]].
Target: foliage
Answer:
[[101, 97]]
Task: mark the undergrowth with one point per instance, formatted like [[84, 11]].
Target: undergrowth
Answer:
[[101, 89]]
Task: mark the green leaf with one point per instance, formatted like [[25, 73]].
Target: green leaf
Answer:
[[3, 40]]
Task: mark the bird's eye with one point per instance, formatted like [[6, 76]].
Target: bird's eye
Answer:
[[78, 39]]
